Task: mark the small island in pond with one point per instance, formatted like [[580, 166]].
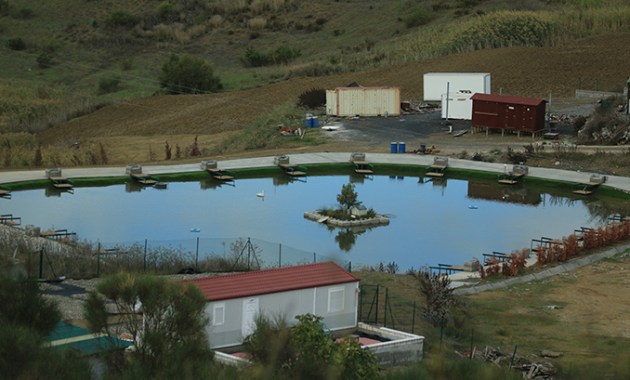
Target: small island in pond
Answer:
[[350, 213]]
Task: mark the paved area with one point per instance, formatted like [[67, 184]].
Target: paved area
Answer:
[[621, 183]]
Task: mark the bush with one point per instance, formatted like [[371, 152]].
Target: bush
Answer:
[[285, 54], [313, 98], [188, 75], [166, 12], [16, 44], [126, 64], [44, 60], [314, 69], [255, 58], [467, 3], [420, 15], [281, 55], [108, 85], [122, 19], [24, 14], [4, 7]]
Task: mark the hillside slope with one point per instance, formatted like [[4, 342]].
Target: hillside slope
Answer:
[[520, 71]]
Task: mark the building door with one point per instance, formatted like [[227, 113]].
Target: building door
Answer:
[[250, 310]]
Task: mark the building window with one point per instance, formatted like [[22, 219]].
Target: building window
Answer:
[[218, 314], [335, 300]]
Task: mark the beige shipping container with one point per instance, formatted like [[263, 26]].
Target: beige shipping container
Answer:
[[363, 101]]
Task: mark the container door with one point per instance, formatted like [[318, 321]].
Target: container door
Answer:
[[250, 310]]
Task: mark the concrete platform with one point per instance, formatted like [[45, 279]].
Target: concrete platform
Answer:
[[423, 161]]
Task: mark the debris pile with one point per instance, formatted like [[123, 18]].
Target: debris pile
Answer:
[[607, 125], [288, 131], [531, 369]]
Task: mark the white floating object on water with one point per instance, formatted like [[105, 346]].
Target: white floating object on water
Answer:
[[261, 194], [195, 229], [473, 207]]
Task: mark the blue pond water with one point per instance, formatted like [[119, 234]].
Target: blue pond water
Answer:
[[433, 222]]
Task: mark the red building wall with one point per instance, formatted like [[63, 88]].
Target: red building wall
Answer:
[[508, 112]]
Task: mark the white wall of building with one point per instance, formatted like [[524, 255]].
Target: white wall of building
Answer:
[[435, 84], [459, 106]]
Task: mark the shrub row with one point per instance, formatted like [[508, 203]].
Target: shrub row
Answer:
[[580, 243], [560, 251], [511, 267]]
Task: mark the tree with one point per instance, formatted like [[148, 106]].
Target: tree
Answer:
[[26, 318], [356, 362], [166, 320], [348, 197], [23, 305], [188, 75], [439, 297], [306, 351], [270, 347]]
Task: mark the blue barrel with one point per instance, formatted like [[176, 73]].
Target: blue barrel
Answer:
[[314, 122], [394, 147], [401, 147], [309, 122]]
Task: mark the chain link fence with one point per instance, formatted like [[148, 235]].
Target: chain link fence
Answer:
[[50, 259]]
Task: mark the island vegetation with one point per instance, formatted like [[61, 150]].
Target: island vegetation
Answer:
[[350, 211]]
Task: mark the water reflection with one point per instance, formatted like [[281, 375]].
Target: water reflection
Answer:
[[134, 187], [359, 178], [491, 191], [285, 180], [51, 191], [347, 237], [211, 184]]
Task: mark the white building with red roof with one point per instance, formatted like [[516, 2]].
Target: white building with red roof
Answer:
[[234, 300]]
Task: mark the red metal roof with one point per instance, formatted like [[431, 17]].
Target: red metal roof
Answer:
[[273, 281], [507, 99]]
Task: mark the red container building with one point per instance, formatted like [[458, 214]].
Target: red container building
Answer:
[[508, 113]]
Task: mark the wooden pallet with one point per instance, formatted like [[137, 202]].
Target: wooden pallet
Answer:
[[511, 179], [61, 183], [293, 171], [436, 171], [144, 179], [363, 167]]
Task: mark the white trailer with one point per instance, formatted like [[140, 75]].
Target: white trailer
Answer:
[[459, 105], [435, 84], [363, 101]]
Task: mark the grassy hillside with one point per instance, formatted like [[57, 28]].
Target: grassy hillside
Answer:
[[64, 59]]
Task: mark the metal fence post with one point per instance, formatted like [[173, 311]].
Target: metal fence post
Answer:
[[144, 263], [314, 257], [413, 318], [360, 304], [280, 256], [386, 302], [378, 291], [41, 262], [197, 255], [98, 260]]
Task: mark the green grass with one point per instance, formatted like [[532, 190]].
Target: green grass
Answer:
[[517, 317]]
